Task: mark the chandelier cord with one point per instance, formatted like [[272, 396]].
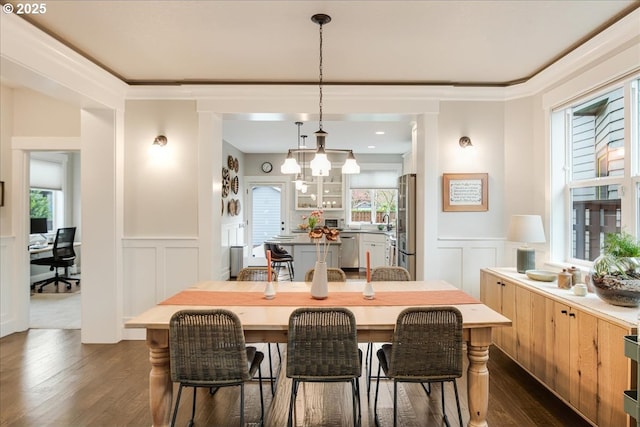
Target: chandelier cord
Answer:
[[320, 80]]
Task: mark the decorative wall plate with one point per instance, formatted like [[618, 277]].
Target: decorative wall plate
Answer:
[[222, 206], [226, 182], [237, 206], [235, 184], [230, 162], [231, 207], [236, 165]]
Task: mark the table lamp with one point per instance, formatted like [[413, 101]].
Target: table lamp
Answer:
[[526, 229]]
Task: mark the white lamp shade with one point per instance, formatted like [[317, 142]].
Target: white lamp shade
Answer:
[[290, 166], [350, 166], [526, 229], [320, 165]]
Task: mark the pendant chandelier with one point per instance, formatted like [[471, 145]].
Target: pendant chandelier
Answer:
[[320, 165]]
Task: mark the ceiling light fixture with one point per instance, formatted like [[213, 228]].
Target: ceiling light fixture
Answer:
[[320, 165]]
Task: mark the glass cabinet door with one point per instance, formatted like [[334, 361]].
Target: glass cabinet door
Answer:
[[332, 189], [322, 192]]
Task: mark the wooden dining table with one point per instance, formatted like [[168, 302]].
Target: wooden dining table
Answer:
[[267, 321]]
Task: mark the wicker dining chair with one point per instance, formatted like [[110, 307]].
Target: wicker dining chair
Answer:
[[390, 274], [323, 347], [207, 349], [383, 274], [426, 348], [256, 274], [260, 274], [333, 275]]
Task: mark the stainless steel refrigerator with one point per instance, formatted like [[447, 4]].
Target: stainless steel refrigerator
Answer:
[[406, 228]]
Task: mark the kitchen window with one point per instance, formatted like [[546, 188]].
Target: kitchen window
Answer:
[[596, 166], [373, 194]]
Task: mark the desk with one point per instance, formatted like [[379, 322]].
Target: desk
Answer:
[[269, 323], [49, 248]]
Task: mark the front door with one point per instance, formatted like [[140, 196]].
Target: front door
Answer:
[[266, 217]]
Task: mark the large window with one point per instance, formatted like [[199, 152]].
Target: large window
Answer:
[[373, 195], [377, 206], [601, 188], [47, 188], [42, 205]]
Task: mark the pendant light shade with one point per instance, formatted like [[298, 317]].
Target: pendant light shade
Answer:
[[350, 165], [290, 165]]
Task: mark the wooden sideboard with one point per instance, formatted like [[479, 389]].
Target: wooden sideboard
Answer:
[[573, 345]]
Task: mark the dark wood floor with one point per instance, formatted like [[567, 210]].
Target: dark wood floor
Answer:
[[48, 378]]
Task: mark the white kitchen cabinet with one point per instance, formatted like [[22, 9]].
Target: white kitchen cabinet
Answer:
[[376, 244], [322, 192]]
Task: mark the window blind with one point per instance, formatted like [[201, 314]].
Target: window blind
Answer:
[[46, 175], [378, 179]]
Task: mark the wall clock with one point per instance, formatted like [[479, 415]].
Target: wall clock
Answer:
[[267, 167]]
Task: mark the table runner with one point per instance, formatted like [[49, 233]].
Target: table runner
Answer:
[[340, 299]]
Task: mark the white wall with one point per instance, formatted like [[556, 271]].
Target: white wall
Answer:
[[161, 187]]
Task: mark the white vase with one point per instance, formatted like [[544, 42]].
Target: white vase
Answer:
[[319, 285], [269, 290], [368, 292]]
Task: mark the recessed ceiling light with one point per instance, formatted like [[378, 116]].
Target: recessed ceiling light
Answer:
[[371, 146], [380, 132]]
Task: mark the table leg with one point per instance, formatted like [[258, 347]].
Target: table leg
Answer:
[[160, 385], [478, 376]]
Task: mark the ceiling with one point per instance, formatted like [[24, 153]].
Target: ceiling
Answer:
[[478, 43]]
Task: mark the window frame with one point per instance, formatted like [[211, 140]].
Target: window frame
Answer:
[[562, 182]]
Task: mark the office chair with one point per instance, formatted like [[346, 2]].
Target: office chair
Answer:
[[63, 257]]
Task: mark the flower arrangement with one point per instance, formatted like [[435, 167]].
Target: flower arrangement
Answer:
[[330, 234], [312, 220]]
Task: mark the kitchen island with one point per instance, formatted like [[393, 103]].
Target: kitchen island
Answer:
[[305, 252]]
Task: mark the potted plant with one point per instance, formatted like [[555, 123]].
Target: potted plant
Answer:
[[615, 274]]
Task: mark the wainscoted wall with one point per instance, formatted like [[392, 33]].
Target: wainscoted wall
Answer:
[[155, 269], [7, 303], [460, 261]]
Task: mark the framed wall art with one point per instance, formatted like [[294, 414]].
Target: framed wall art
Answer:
[[465, 192]]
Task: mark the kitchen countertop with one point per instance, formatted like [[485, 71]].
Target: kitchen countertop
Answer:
[[354, 231], [299, 239], [589, 302]]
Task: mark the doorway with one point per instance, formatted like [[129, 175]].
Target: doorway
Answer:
[[54, 195], [266, 217]]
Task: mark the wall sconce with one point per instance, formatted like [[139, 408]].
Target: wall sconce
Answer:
[[465, 142], [160, 141]]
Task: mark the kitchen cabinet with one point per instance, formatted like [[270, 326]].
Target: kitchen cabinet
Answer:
[[574, 350], [322, 192], [376, 244]]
